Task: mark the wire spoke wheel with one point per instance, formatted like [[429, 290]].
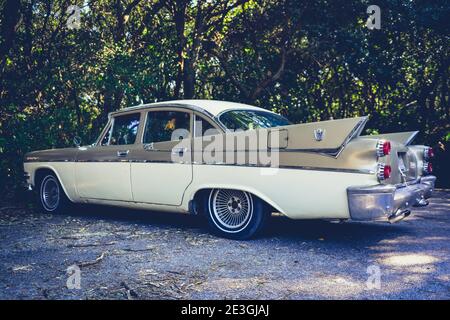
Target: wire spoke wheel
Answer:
[[231, 210], [50, 193]]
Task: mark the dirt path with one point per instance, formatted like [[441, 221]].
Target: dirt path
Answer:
[[145, 255]]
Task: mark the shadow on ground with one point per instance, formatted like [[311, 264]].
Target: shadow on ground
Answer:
[[133, 254]]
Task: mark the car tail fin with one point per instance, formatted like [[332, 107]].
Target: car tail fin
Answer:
[[404, 138], [328, 137]]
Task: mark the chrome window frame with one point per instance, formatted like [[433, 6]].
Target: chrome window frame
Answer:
[[103, 133], [209, 120], [110, 124], [156, 109]]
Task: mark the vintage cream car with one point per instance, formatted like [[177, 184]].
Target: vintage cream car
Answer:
[[235, 164]]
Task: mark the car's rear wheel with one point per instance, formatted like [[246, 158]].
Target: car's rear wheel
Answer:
[[235, 214], [52, 198]]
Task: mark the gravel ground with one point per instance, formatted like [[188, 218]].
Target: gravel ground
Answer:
[[127, 254]]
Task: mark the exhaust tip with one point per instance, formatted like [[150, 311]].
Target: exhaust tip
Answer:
[[421, 202], [399, 215]]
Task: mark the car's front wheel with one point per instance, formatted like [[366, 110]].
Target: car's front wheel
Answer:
[[52, 198], [235, 214]]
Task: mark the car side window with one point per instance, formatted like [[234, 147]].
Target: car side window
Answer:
[[124, 129], [166, 126], [106, 137], [204, 128]]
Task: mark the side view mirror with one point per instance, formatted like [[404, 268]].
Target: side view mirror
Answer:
[[76, 141]]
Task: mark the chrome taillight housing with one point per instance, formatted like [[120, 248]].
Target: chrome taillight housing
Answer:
[[383, 148], [384, 171], [427, 167], [428, 153]]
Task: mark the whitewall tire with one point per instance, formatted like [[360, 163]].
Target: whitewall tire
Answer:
[[51, 196], [235, 214]]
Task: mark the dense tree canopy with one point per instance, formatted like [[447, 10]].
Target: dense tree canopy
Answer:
[[309, 60]]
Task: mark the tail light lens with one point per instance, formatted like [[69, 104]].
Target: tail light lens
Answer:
[[384, 171], [427, 167], [383, 148], [428, 153]]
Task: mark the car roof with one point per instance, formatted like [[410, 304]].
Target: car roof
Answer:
[[213, 107]]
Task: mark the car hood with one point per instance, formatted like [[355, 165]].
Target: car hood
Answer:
[[64, 154]]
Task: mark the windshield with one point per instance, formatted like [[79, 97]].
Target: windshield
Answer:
[[251, 119]]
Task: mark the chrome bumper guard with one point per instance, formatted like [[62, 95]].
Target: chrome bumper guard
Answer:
[[26, 180], [389, 202]]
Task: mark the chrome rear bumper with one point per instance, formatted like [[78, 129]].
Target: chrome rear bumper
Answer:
[[388, 202]]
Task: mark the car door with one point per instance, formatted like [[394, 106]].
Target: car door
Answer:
[[162, 168], [103, 171]]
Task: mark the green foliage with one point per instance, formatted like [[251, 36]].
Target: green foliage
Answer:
[[309, 60]]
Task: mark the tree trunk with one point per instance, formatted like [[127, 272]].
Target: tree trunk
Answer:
[[188, 79], [180, 22]]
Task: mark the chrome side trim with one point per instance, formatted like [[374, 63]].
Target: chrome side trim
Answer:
[[358, 171], [324, 152], [50, 160], [129, 201]]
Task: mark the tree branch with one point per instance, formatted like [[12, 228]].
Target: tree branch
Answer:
[[271, 77]]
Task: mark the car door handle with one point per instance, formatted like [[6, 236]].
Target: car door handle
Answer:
[[179, 151], [122, 153]]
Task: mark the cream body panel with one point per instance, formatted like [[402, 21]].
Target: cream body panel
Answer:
[[65, 172], [298, 194], [103, 180], [160, 183]]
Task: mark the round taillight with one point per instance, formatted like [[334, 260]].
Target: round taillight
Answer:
[[384, 171], [383, 148], [386, 148], [427, 167], [387, 172], [428, 153]]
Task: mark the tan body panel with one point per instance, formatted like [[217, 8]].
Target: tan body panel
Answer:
[[335, 134]]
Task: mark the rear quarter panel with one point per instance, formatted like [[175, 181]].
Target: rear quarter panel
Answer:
[[296, 193]]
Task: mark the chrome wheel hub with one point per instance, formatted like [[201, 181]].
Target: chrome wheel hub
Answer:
[[50, 193], [232, 209], [234, 205]]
